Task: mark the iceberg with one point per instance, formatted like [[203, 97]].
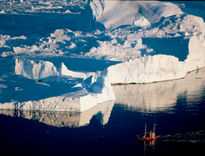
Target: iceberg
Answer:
[[156, 68], [91, 88]]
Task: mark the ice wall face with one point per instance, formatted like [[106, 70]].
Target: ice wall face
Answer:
[[196, 55], [159, 67], [35, 70], [97, 7], [118, 13], [147, 69]]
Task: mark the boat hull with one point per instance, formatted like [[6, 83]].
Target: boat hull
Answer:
[[149, 139]]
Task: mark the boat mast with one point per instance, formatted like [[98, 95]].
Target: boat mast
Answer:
[[145, 130], [154, 125]]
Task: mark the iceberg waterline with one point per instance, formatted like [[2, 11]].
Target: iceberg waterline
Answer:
[[138, 62], [64, 118], [155, 97]]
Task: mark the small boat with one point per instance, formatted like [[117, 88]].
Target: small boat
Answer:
[[152, 136], [149, 139]]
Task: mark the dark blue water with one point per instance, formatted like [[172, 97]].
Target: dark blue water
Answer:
[[177, 46], [180, 127]]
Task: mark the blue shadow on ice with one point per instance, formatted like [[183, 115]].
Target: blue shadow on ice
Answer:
[[18, 88], [81, 64], [21, 89]]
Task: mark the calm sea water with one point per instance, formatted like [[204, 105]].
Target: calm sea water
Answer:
[[177, 107]]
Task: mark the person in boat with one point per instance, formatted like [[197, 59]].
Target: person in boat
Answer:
[[153, 134], [150, 134]]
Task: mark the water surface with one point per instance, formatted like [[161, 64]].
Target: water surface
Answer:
[[177, 107]]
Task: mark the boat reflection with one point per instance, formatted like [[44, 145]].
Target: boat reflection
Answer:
[[160, 96], [63, 118]]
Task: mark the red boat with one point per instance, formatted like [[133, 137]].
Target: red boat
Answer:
[[151, 137]]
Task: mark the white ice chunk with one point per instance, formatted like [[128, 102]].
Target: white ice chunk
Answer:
[[33, 70], [117, 13]]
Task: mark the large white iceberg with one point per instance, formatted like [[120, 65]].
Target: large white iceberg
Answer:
[[95, 88], [159, 67]]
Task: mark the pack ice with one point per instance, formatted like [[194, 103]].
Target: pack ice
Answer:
[[72, 67]]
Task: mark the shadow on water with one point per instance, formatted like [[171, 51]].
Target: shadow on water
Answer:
[[187, 137]]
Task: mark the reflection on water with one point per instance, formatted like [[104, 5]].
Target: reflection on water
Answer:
[[147, 98], [180, 132], [160, 96], [188, 137], [65, 119]]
